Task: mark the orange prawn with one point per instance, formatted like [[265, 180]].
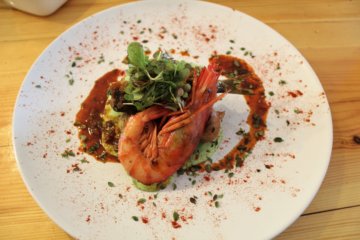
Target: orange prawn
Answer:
[[157, 142]]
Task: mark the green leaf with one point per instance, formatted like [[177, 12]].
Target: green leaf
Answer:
[[136, 55], [175, 216]]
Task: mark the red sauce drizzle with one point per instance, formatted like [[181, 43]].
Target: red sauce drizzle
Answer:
[[88, 119], [235, 68]]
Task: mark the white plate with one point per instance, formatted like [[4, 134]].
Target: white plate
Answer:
[[256, 205]]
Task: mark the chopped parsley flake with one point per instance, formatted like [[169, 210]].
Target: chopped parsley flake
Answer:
[[141, 201], [278, 139], [175, 216], [282, 82], [278, 66], [135, 218], [297, 111], [110, 184], [240, 132], [68, 153], [101, 59]]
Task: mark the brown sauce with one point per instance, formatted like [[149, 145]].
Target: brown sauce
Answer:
[[88, 119]]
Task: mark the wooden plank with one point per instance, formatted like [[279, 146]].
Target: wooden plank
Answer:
[[299, 11], [337, 224], [313, 31]]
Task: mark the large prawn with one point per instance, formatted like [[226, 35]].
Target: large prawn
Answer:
[[157, 142]]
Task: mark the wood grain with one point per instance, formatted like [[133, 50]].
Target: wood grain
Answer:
[[326, 32]]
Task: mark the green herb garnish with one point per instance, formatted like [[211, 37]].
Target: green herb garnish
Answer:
[[160, 80], [175, 216], [110, 184], [68, 153]]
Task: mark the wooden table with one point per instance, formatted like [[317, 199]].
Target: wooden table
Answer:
[[326, 32]]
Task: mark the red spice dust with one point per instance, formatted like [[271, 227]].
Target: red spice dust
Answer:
[[144, 220], [185, 53], [88, 219], [295, 94], [207, 178], [257, 209], [175, 224]]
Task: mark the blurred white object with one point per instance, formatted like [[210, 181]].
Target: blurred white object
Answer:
[[37, 7]]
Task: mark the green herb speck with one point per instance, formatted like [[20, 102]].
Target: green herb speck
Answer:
[[271, 93], [217, 204], [38, 86], [297, 111], [282, 82], [135, 218], [141, 201], [110, 184], [68, 153], [278, 139], [175, 216]]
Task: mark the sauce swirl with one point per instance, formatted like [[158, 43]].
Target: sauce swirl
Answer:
[[243, 80]]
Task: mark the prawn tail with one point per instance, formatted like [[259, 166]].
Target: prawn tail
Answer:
[[207, 80]]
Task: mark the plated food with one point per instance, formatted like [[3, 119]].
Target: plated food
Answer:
[[269, 158], [156, 115]]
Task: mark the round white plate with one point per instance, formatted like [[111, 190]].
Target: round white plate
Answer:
[[278, 181]]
